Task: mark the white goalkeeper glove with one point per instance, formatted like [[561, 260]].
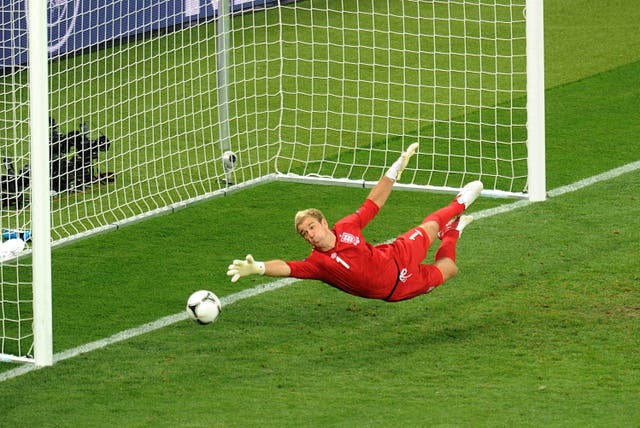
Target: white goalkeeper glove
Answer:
[[398, 166], [245, 267]]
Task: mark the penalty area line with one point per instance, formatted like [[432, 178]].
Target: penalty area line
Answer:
[[283, 282]]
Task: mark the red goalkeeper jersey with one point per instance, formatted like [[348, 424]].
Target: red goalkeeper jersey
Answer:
[[385, 271]]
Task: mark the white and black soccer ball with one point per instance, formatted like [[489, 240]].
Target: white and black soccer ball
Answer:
[[203, 306], [229, 160]]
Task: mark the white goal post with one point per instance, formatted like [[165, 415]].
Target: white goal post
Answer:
[[110, 121]]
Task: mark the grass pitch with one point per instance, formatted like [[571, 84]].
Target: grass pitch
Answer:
[[539, 329]]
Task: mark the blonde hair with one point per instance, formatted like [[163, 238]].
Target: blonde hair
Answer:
[[309, 212]]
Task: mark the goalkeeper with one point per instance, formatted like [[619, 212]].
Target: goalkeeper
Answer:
[[393, 272]]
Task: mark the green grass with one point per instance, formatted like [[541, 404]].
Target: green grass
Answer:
[[540, 328]]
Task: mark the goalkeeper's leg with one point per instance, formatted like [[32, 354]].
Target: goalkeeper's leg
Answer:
[[460, 203], [436, 222], [445, 259]]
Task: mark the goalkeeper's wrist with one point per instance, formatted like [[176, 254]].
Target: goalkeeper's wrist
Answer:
[[394, 170], [262, 268]]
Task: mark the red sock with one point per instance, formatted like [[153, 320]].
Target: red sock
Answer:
[[448, 246], [443, 215]]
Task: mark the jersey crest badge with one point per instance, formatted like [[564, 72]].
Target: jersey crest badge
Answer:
[[349, 238]]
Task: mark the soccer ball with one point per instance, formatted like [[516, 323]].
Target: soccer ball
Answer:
[[229, 160], [203, 307]]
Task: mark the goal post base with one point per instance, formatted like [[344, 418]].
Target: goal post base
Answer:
[[345, 182]]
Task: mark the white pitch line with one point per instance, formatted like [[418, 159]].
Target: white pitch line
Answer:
[[168, 320], [274, 285], [146, 328], [608, 175]]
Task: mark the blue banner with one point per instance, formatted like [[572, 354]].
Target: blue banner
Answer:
[[75, 25]]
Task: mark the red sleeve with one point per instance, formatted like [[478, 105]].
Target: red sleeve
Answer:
[[303, 269], [367, 211]]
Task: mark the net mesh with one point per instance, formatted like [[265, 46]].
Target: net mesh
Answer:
[[145, 98]]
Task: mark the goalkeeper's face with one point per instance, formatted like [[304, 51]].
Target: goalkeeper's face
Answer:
[[317, 233]]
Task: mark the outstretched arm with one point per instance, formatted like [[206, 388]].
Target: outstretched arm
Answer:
[[277, 268], [381, 191], [249, 266]]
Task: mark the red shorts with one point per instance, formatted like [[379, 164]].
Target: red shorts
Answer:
[[414, 278]]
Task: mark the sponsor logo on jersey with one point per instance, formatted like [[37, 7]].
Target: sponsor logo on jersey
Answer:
[[404, 275]]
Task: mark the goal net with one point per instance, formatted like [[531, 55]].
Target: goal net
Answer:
[[144, 100], [362, 80]]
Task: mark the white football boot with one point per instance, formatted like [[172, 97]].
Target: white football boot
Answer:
[[469, 193], [457, 223]]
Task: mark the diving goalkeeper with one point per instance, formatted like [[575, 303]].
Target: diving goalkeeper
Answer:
[[342, 258]]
